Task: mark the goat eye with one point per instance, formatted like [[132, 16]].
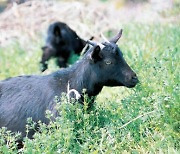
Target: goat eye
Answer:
[[108, 62]]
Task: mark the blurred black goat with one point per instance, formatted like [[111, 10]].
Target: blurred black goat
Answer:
[[61, 42]]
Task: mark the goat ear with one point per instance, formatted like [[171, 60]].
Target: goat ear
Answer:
[[57, 31], [95, 54]]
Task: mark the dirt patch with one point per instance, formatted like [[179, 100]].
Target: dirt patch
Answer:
[[90, 18]]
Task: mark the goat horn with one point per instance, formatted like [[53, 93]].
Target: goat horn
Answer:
[[104, 38], [91, 43], [95, 44], [116, 37]]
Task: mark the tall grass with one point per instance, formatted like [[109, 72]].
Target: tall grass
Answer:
[[140, 120]]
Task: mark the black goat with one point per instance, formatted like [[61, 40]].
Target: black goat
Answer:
[[30, 96], [61, 42]]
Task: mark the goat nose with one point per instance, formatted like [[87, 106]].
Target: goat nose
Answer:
[[135, 78]]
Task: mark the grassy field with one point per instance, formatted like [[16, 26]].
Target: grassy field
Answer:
[[145, 119]]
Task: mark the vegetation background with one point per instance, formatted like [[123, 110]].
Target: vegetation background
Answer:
[[145, 119]]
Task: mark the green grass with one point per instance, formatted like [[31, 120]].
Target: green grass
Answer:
[[145, 119]]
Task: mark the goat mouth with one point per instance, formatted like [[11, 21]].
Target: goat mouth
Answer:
[[132, 85]]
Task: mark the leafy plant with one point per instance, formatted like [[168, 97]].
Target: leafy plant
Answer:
[[140, 120]]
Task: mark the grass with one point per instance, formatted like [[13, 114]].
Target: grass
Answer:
[[140, 120]]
